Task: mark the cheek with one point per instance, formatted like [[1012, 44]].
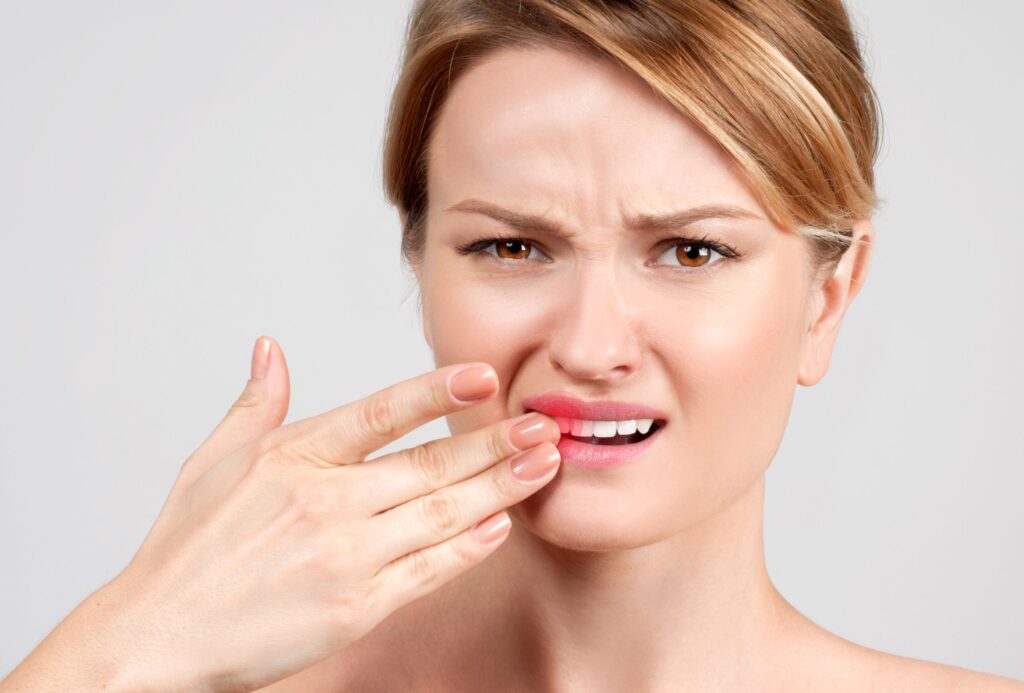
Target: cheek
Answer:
[[725, 360], [480, 321], [733, 364]]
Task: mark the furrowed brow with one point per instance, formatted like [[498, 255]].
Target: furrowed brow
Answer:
[[643, 222], [677, 220], [514, 220]]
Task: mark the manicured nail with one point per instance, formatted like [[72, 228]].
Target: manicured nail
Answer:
[[475, 382], [493, 528], [536, 463], [260, 359], [534, 431]]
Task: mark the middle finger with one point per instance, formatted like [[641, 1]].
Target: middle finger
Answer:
[[403, 475]]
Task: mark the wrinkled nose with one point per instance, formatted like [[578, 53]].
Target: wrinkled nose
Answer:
[[595, 336]]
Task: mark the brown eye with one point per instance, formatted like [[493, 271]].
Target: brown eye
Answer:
[[512, 249], [693, 255], [515, 249]]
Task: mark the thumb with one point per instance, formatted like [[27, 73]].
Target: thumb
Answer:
[[260, 408]]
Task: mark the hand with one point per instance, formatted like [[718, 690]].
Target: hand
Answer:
[[279, 546]]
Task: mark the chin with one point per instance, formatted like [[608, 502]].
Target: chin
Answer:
[[575, 515]]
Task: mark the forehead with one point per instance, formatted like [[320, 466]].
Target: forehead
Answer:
[[562, 130]]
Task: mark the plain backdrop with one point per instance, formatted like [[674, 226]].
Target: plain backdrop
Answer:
[[178, 178]]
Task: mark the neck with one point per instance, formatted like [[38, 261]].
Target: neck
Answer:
[[697, 609]]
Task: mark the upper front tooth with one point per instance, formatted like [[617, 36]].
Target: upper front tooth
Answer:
[[582, 428], [626, 428], [585, 428]]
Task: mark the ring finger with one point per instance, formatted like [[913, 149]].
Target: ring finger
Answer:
[[439, 516], [405, 474]]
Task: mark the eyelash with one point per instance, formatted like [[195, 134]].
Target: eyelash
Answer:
[[728, 253]]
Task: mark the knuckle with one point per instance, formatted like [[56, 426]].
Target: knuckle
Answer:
[[439, 512], [496, 446], [268, 456], [440, 401], [308, 448], [503, 488], [461, 548], [348, 553], [352, 604], [423, 567], [433, 462], [249, 399], [334, 558], [311, 500], [379, 414]]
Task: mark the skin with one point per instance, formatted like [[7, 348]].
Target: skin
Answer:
[[651, 576], [303, 556]]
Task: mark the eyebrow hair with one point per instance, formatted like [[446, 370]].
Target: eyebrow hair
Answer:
[[642, 222]]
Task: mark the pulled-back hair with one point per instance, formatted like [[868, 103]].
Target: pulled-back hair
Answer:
[[779, 84]]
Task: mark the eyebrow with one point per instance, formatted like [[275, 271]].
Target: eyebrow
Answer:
[[642, 222]]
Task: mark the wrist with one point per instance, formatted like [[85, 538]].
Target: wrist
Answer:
[[92, 650]]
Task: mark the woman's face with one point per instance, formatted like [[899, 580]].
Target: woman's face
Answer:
[[608, 311]]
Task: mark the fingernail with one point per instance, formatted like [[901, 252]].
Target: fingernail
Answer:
[[260, 359], [533, 431], [493, 528], [475, 382], [536, 463]]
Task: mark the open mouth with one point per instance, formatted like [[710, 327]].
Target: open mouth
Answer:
[[617, 439], [626, 432]]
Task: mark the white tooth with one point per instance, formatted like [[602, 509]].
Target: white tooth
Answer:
[[564, 424], [626, 428], [587, 429], [604, 429], [577, 427], [644, 425]]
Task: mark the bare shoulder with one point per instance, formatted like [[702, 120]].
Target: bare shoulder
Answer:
[[863, 668], [966, 680], [898, 673]]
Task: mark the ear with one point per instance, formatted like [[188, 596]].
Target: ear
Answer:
[[417, 270], [830, 303], [425, 320]]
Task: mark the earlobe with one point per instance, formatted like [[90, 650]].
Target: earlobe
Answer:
[[424, 315], [404, 217], [830, 304], [426, 330]]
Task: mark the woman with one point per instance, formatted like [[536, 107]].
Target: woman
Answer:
[[643, 222]]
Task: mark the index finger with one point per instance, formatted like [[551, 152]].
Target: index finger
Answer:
[[349, 433]]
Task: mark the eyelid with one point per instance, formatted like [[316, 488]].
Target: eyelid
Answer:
[[725, 251], [480, 245]]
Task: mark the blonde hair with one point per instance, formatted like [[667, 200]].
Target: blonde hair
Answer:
[[779, 84]]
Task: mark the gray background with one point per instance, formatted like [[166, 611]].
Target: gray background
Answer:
[[178, 178]]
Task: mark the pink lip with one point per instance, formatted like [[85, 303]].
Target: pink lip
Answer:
[[586, 455], [564, 404], [602, 456]]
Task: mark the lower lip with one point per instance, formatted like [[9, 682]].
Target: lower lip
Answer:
[[602, 456]]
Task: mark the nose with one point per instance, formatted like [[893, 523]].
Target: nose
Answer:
[[594, 338]]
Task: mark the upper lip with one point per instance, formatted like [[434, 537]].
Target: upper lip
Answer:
[[567, 405]]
